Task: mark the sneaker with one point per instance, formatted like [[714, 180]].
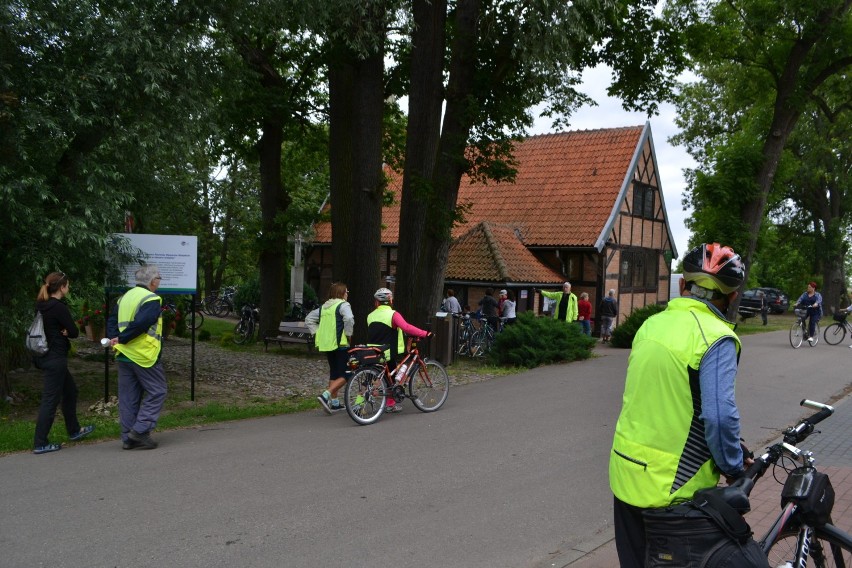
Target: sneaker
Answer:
[[336, 407], [395, 408], [47, 449], [324, 402], [144, 440], [84, 431], [811, 340], [130, 445], [850, 347]]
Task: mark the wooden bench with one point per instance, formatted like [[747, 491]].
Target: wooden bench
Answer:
[[291, 332]]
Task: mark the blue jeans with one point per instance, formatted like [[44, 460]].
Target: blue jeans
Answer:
[[813, 318], [58, 386], [586, 327]]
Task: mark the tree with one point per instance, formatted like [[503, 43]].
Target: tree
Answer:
[[504, 59], [777, 55], [86, 92]]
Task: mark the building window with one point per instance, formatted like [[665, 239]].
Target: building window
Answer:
[[639, 270], [643, 200]]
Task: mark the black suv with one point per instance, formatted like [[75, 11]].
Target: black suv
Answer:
[[776, 300]]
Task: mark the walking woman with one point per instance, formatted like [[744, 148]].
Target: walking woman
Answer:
[[59, 385]]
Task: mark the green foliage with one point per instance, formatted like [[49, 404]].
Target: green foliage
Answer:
[[533, 341], [204, 335], [623, 335], [248, 292]]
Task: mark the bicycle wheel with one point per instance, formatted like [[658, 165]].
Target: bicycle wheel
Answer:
[[797, 335], [829, 549], [242, 331], [464, 343], [222, 308], [835, 333], [199, 319], [429, 386], [364, 396], [476, 344]]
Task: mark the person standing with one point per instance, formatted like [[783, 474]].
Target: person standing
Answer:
[[509, 305], [608, 311], [584, 313], [811, 300], [451, 303], [332, 325], [57, 382], [679, 425], [488, 307], [135, 330], [566, 303], [386, 326], [764, 307]]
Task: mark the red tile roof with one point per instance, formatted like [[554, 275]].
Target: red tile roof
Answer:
[[567, 186], [495, 253]]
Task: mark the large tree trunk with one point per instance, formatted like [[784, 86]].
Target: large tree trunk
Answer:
[[274, 201], [357, 181], [431, 243]]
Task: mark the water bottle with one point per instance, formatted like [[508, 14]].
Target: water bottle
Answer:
[[105, 342], [400, 373]]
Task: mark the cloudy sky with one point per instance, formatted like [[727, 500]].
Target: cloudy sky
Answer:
[[671, 159]]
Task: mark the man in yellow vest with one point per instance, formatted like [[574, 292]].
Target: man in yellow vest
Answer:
[[332, 325], [565, 308], [679, 426], [135, 330]]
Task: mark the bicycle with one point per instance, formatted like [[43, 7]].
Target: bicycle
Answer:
[[199, 314], [836, 332], [483, 339], [367, 391], [224, 305], [298, 312], [244, 331], [466, 333], [799, 330], [796, 537]]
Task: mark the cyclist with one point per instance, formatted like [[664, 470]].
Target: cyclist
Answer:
[[333, 323], [812, 301], [385, 326], [679, 426]]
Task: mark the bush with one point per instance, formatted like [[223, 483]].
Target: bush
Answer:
[[533, 341], [624, 333], [204, 335], [247, 293]]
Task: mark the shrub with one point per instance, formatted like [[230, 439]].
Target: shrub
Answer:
[[204, 335], [532, 341], [624, 333], [247, 293]]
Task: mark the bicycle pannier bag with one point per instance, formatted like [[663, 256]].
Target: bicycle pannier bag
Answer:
[[690, 535], [36, 339], [812, 492], [366, 355]]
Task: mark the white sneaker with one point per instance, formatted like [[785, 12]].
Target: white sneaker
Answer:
[[850, 347], [811, 340]]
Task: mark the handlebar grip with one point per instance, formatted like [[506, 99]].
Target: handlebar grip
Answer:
[[756, 470]]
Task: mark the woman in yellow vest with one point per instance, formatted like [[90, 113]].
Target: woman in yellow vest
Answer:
[[332, 325], [679, 426]]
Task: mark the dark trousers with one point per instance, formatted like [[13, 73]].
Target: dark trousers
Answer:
[[629, 534], [58, 386], [134, 411]]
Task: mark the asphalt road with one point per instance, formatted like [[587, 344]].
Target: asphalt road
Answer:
[[510, 473]]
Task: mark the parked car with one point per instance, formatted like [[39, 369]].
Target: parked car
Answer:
[[776, 300]]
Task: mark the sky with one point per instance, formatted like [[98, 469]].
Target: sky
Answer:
[[670, 159]]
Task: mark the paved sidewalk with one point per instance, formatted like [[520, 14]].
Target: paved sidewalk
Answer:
[[832, 450]]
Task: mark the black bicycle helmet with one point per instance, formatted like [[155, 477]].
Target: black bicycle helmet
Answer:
[[714, 267]]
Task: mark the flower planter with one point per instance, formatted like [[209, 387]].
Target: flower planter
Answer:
[[94, 332]]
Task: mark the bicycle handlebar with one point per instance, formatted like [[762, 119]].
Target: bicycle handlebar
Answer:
[[791, 436]]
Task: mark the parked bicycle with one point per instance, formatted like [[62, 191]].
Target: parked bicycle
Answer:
[[367, 391], [803, 534], [799, 330], [224, 305], [466, 331], [244, 331], [199, 314], [482, 340], [298, 311], [836, 332]]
